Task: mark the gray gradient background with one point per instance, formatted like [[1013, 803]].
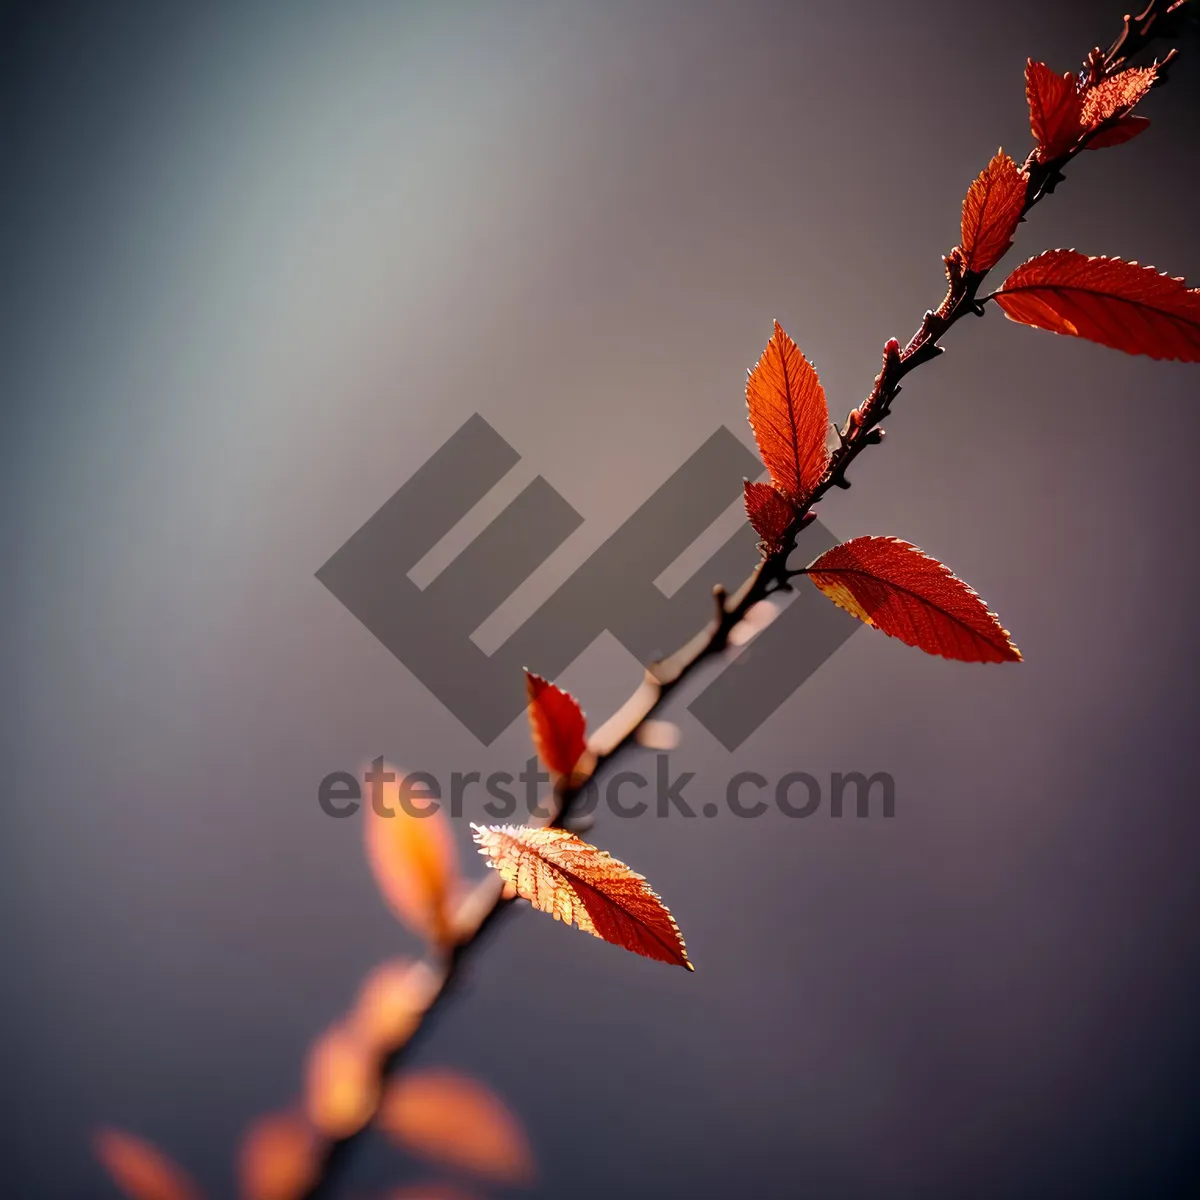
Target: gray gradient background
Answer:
[[261, 259]]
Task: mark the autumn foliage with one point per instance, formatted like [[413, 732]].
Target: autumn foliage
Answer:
[[1118, 304], [908, 595], [577, 884], [349, 1082], [557, 724]]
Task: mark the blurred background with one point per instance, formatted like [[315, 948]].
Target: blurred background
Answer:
[[261, 260]]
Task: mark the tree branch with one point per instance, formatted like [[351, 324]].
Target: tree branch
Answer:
[[486, 902]]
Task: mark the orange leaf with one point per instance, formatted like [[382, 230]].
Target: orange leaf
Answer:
[[556, 722], [341, 1082], [572, 881], [895, 587], [769, 510], [278, 1158], [449, 1118], [990, 212], [1055, 109], [789, 416], [141, 1170], [391, 1002], [1117, 92], [1124, 130], [1106, 300], [413, 859]]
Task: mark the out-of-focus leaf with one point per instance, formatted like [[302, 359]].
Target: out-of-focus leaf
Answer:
[[658, 735], [562, 875], [141, 1170], [757, 618], [449, 1118], [341, 1082], [279, 1158], [413, 858], [391, 1002]]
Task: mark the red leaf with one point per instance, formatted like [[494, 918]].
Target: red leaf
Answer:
[[770, 512], [1124, 130], [141, 1170], [990, 213], [557, 724], [1106, 300], [1117, 92], [562, 875], [894, 586], [1055, 109], [789, 416]]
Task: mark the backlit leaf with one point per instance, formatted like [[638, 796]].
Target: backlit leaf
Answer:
[[1124, 130], [413, 857], [341, 1082], [1120, 91], [1055, 110], [894, 586], [556, 722], [279, 1158], [140, 1169], [770, 512], [789, 416], [990, 212], [391, 1002], [572, 881], [449, 1118], [1119, 304]]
